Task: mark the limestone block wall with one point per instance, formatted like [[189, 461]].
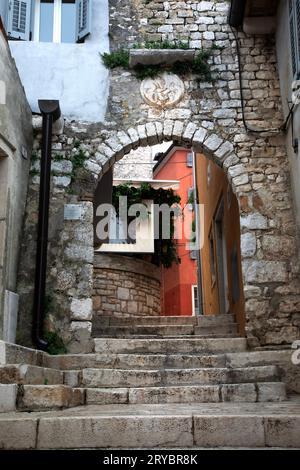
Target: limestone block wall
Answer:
[[16, 138], [125, 286], [209, 118], [137, 164]]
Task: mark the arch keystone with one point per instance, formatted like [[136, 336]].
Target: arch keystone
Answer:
[[177, 130], [141, 129], [151, 133], [168, 129], [159, 131]]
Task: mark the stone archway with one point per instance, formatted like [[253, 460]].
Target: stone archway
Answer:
[[271, 283], [189, 136], [186, 135]]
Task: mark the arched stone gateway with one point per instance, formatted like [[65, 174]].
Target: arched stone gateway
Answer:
[[184, 134], [268, 243], [266, 278]]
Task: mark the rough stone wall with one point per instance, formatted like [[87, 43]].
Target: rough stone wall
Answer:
[[15, 148], [137, 164], [125, 286], [209, 117]]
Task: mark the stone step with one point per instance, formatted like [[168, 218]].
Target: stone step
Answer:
[[112, 320], [201, 320], [150, 337], [244, 393], [209, 331], [167, 345], [15, 354], [151, 330], [70, 361], [28, 374], [49, 397], [8, 397], [166, 330], [158, 361], [95, 378], [205, 425], [194, 360], [212, 320]]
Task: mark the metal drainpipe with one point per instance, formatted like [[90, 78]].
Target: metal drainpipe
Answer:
[[197, 226], [236, 13], [50, 112]]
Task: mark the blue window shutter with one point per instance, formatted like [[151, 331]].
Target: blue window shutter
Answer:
[[83, 18], [189, 160], [19, 17], [297, 25], [294, 22]]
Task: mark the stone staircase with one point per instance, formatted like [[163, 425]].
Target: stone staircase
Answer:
[[137, 363], [205, 326]]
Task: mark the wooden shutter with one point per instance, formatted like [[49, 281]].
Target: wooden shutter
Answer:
[[19, 14], [83, 16]]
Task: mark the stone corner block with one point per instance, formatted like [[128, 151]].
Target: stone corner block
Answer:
[[81, 309], [8, 397]]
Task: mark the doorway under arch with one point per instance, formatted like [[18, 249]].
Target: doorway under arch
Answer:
[[223, 158]]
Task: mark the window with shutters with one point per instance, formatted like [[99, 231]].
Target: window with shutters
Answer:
[[195, 300], [189, 160], [294, 21], [65, 21]]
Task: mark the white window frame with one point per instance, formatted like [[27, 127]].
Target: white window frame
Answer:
[[144, 236], [193, 299], [56, 21]]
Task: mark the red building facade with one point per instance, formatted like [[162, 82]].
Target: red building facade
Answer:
[[180, 280]]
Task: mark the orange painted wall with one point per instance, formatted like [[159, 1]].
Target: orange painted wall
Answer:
[[210, 194], [177, 281]]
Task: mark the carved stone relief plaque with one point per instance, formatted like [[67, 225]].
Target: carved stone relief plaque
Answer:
[[163, 91]]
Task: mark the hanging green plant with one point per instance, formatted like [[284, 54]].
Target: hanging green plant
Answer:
[[119, 58], [200, 66], [165, 249], [176, 44]]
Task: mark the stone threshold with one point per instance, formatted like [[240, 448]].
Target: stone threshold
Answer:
[[160, 56], [205, 425]]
